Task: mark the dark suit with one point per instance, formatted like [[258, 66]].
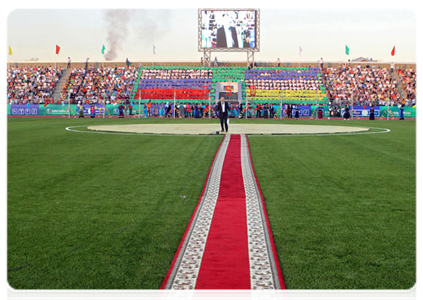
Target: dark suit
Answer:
[[221, 38], [223, 115]]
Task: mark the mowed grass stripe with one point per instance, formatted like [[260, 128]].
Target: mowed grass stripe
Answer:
[[342, 209], [95, 211]]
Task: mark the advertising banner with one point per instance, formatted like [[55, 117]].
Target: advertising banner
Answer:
[[113, 110], [56, 110], [393, 112], [24, 109], [304, 110], [364, 112]]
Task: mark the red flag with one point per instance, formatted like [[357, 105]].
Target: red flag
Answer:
[[393, 51], [57, 49]]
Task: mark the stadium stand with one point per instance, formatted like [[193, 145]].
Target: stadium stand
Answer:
[[187, 83], [293, 84], [192, 84], [408, 77], [32, 84], [110, 84], [366, 85]]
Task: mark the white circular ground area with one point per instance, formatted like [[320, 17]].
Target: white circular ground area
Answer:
[[233, 129]]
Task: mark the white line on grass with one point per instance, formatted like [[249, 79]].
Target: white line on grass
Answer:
[[382, 130]]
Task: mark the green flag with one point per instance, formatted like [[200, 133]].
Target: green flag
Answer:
[[102, 50], [347, 50]]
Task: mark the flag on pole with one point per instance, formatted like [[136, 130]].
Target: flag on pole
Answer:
[[103, 49], [301, 50], [10, 50], [393, 51], [154, 49], [57, 49], [347, 50]]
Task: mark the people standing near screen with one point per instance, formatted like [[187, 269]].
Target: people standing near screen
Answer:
[[226, 36]]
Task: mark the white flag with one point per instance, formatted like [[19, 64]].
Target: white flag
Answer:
[[154, 49], [301, 50]]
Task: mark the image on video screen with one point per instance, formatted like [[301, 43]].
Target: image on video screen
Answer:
[[228, 29]]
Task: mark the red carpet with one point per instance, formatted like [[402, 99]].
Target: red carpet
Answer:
[[228, 242], [225, 262]]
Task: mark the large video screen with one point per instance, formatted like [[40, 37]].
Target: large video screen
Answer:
[[228, 29]]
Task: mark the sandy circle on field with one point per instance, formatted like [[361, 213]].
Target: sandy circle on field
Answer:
[[189, 129]]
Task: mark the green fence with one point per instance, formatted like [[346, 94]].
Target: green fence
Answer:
[[139, 108]]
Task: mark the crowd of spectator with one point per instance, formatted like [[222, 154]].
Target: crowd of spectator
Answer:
[[176, 73], [109, 83], [364, 85], [283, 84], [408, 77], [283, 79], [31, 84]]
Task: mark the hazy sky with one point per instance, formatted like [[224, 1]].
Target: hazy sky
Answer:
[[81, 33]]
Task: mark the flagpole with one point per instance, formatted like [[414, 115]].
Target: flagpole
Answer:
[[299, 55], [8, 57]]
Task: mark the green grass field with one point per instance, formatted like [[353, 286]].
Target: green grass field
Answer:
[[92, 211]]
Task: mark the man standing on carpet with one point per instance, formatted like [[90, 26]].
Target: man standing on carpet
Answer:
[[223, 109]]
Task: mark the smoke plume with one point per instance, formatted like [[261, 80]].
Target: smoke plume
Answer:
[[117, 30]]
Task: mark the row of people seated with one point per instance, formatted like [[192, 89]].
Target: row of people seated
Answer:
[[32, 83], [100, 83], [287, 94], [171, 73], [360, 83], [408, 77], [280, 79], [283, 84], [172, 93], [175, 83], [279, 74]]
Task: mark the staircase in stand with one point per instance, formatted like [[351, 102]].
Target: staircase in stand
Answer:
[[61, 83], [400, 86]]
